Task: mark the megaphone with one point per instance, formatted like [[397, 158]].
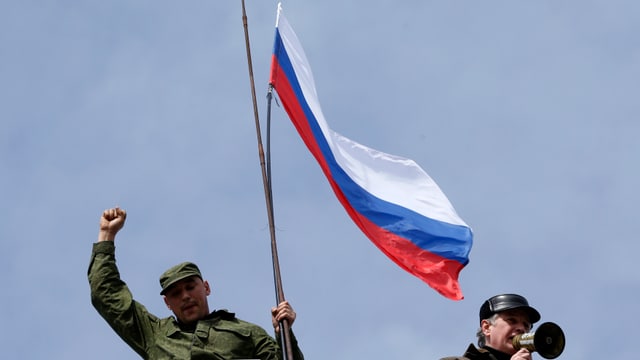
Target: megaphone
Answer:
[[548, 340]]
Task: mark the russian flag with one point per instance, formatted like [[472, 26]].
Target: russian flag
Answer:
[[391, 199]]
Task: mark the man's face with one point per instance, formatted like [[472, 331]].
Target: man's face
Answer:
[[508, 324], [188, 299]]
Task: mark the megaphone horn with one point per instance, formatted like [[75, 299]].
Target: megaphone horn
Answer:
[[548, 341]]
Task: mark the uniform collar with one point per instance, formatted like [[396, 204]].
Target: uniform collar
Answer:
[[175, 326]]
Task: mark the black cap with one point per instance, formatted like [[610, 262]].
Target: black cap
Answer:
[[500, 303]]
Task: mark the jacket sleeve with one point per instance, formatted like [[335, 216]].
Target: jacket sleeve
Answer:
[[297, 353], [112, 299], [268, 348]]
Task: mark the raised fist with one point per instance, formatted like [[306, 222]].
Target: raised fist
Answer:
[[111, 222]]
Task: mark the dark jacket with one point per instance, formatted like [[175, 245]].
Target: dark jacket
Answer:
[[474, 353]]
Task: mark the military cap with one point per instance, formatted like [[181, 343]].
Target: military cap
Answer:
[[177, 273], [500, 303]]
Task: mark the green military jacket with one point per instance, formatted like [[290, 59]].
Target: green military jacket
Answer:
[[220, 336]]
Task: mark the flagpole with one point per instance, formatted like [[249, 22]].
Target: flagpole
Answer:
[[266, 180]]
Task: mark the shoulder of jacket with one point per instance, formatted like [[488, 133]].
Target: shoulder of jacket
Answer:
[[469, 354]]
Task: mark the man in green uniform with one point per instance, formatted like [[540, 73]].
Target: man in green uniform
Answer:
[[502, 317], [194, 332]]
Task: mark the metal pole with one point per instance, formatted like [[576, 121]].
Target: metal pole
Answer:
[[266, 180]]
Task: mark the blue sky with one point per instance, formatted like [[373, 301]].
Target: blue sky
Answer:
[[525, 114]]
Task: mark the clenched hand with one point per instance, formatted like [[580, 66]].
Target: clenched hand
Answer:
[[111, 222]]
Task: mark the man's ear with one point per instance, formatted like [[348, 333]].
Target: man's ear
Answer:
[[166, 302], [207, 288], [485, 325]]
